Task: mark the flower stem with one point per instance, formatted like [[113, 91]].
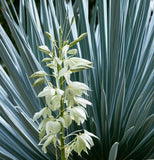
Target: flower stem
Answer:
[[62, 137], [61, 131]]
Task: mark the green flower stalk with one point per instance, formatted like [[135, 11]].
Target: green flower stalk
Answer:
[[63, 99]]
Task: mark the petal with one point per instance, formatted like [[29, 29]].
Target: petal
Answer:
[[47, 142], [64, 50], [82, 101], [53, 127], [47, 91], [37, 115]]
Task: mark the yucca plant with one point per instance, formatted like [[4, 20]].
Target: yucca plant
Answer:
[[64, 98], [120, 44]]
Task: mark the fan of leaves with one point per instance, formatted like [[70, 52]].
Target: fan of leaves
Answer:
[[119, 43]]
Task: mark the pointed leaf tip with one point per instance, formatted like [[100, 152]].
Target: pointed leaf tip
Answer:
[[113, 151]]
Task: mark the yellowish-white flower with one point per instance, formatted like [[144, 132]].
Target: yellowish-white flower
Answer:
[[82, 142], [62, 72], [77, 88], [52, 97], [55, 100], [78, 114], [45, 112], [53, 127], [77, 64], [59, 91], [152, 5], [82, 101], [47, 91], [64, 51], [64, 100], [67, 120], [46, 140]]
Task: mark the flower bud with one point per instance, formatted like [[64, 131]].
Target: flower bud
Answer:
[[44, 49], [77, 40]]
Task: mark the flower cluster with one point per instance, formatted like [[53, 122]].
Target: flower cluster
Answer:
[[65, 98]]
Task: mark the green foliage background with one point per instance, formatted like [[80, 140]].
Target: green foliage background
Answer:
[[120, 44]]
